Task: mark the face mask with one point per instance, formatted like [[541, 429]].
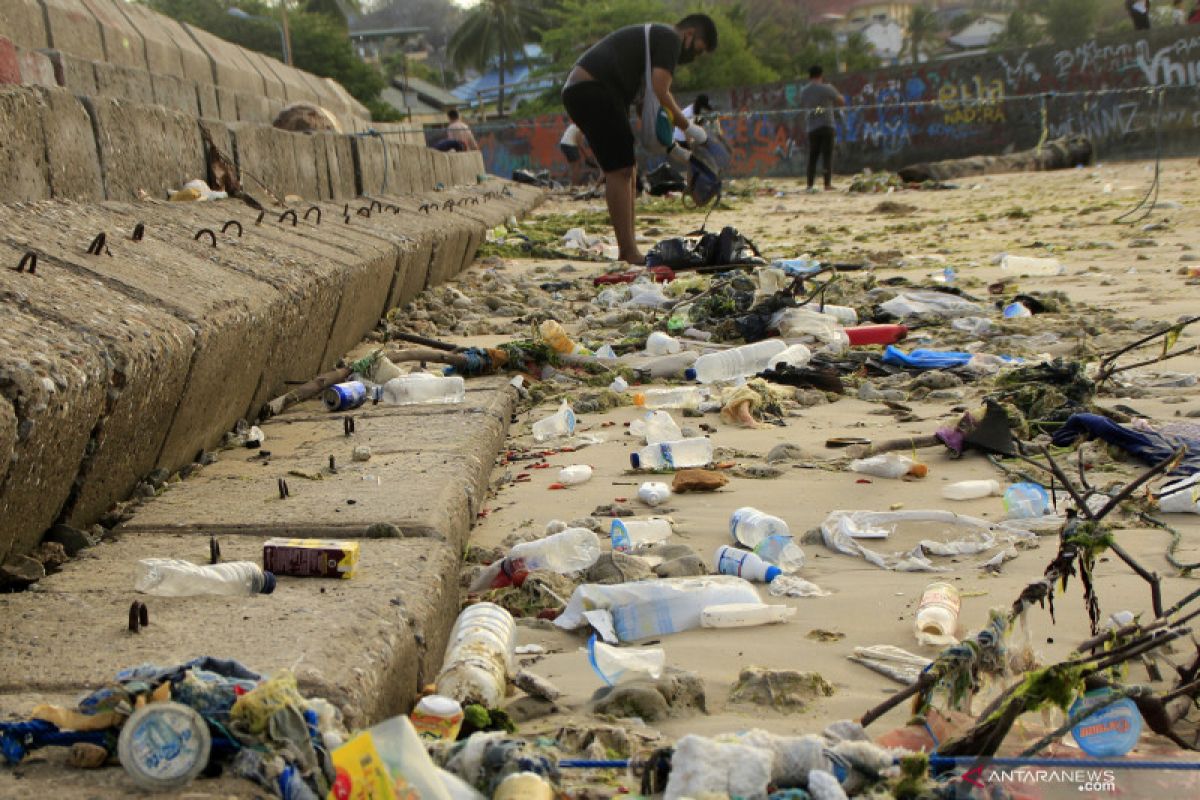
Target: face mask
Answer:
[[687, 55]]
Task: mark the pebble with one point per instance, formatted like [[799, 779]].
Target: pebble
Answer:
[[361, 453]]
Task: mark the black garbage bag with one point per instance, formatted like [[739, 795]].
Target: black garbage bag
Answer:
[[664, 180]]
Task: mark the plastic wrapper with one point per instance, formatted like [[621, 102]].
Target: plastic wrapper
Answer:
[[615, 665]]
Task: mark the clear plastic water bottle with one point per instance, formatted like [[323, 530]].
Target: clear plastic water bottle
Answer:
[[633, 534], [672, 366], [420, 387], [575, 474], [781, 551], [571, 550], [678, 397], [658, 427], [971, 490], [673, 605], [654, 493], [662, 344], [673, 455], [738, 362], [796, 355], [479, 655], [1025, 500], [560, 423], [749, 526], [170, 577]]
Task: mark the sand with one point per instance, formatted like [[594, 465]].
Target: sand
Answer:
[[1108, 265]]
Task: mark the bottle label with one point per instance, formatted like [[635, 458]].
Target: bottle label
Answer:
[[941, 595], [664, 450]]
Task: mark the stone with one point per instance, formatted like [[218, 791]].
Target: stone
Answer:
[[787, 452], [158, 477], [676, 693], [361, 453], [20, 571], [785, 689], [683, 567], [807, 398], [936, 379], [52, 555], [697, 480], [84, 755], [615, 567], [536, 686], [383, 530], [72, 539]]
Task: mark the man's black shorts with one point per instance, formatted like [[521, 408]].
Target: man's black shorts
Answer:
[[571, 152], [604, 120]]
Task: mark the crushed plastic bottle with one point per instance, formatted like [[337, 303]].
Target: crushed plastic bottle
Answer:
[[796, 355], [656, 427], [782, 551], [937, 614], [479, 656], [1026, 500], [170, 577], [737, 362], [888, 465], [679, 454], [654, 493], [420, 388], [662, 344], [560, 423], [744, 564], [971, 490], [677, 397], [629, 535], [744, 615], [575, 474], [749, 527], [572, 550]]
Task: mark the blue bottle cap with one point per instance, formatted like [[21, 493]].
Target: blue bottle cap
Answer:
[[1111, 731], [268, 582], [635, 460], [773, 573], [690, 373]]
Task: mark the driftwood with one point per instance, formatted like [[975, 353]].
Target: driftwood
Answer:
[[1062, 153], [304, 391]]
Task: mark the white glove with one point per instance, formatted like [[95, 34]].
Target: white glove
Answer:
[[695, 134], [679, 154]]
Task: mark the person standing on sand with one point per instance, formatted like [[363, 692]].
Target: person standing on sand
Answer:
[[1139, 12], [606, 80], [458, 135], [819, 98]]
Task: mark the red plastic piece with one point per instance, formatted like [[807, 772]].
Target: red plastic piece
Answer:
[[876, 334], [658, 274]]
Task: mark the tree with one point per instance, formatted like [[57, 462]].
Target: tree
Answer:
[[733, 64], [495, 30], [1071, 21], [922, 27], [1021, 30]]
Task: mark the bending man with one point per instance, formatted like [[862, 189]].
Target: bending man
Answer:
[[606, 80]]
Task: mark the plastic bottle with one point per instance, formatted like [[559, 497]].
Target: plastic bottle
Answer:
[[524, 786], [634, 534], [875, 334], [410, 390], [1025, 500], [843, 314], [886, 465], [169, 577], [619, 384], [937, 613], [437, 717], [782, 551], [662, 344], [478, 656], [571, 550], [744, 564], [657, 427], [796, 355], [749, 526], [575, 474], [1017, 311], [672, 605], [744, 615], [653, 493], [560, 423], [679, 454], [811, 324], [737, 362], [554, 335], [971, 490], [679, 397], [672, 366]]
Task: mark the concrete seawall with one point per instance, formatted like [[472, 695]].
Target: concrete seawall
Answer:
[[136, 358]]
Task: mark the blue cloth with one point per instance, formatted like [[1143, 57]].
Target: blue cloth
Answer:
[[18, 738], [1147, 447], [924, 359]]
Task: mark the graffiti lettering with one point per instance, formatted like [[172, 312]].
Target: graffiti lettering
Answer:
[[965, 104], [1162, 70], [1094, 57], [1022, 68]]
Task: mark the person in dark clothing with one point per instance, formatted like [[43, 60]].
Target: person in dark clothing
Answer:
[[819, 98], [606, 80], [1139, 12]]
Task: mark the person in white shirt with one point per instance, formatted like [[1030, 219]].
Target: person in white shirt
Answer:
[[571, 145], [1178, 15], [1139, 12], [698, 106]]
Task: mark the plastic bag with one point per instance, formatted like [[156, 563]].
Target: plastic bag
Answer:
[[617, 664], [933, 304]]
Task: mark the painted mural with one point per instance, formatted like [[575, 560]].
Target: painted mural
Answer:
[[1131, 95]]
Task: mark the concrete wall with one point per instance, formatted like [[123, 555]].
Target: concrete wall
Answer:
[[114, 365], [985, 104]]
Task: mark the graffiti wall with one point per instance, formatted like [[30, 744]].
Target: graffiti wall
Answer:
[[1130, 95]]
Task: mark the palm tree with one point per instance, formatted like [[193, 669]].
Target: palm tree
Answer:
[[494, 29], [922, 26]]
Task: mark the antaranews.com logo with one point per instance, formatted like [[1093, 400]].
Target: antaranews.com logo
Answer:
[[1087, 780]]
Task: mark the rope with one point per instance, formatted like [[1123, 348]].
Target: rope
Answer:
[[1147, 208], [1045, 125]]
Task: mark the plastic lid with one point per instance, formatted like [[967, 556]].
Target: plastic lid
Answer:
[[268, 582], [164, 746], [690, 373], [635, 460], [1111, 731], [639, 398], [773, 573], [439, 705]]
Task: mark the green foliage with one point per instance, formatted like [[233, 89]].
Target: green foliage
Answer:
[[1021, 30], [922, 27], [734, 63], [1071, 21], [384, 112], [790, 47], [495, 31], [320, 43]]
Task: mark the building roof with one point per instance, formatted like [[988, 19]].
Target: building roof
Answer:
[[408, 102], [428, 92]]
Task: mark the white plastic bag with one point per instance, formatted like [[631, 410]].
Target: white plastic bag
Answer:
[[617, 664]]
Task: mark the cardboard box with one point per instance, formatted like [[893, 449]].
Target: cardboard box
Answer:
[[311, 558]]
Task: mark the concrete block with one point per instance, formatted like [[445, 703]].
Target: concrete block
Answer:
[[369, 164], [428, 475], [24, 23], [311, 167], [339, 158], [254, 108], [227, 109], [176, 94], [73, 29], [56, 384], [193, 60], [23, 159], [403, 602], [411, 273], [74, 165], [295, 88], [231, 68], [149, 353], [274, 85], [270, 154], [10, 68], [129, 85], [428, 176], [325, 96], [123, 44], [75, 74], [145, 147], [8, 436], [207, 103], [161, 51], [36, 68], [441, 169], [412, 156]]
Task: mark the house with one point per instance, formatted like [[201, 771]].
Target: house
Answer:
[[419, 100], [520, 81], [980, 33]]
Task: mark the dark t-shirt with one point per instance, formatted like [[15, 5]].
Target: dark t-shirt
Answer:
[[619, 59]]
